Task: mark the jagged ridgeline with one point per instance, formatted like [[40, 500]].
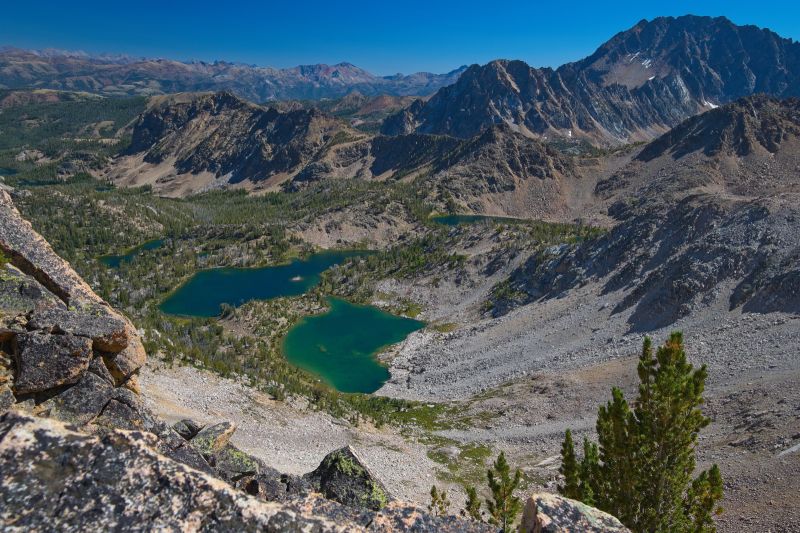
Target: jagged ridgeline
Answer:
[[640, 83]]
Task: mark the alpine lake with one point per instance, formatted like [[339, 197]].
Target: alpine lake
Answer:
[[456, 220], [339, 346]]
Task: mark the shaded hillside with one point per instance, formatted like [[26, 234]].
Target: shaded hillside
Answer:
[[708, 212], [503, 172], [219, 136], [126, 76], [740, 129], [750, 147], [639, 84]]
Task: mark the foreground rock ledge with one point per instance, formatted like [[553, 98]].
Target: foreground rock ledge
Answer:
[[57, 479]]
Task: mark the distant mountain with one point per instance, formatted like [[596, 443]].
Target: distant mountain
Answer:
[[639, 84], [364, 112], [122, 75], [186, 143], [183, 144]]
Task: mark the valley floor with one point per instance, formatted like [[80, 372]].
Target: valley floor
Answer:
[[754, 405]]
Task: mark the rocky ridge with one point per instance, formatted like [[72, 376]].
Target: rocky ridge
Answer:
[[636, 86], [190, 143], [205, 140], [710, 204]]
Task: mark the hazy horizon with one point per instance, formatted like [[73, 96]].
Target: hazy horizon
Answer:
[[382, 39]]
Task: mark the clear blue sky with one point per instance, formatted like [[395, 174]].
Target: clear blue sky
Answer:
[[382, 36]]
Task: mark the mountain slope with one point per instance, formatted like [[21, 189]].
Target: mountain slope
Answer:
[[188, 143], [708, 211], [118, 76], [637, 85]]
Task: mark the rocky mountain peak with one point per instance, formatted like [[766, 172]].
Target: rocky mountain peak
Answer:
[[637, 85]]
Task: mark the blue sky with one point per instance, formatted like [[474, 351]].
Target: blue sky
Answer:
[[383, 37]]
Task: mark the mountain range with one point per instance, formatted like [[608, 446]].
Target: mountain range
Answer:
[[639, 84], [126, 76]]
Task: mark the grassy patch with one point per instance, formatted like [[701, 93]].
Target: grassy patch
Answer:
[[463, 464], [444, 327]]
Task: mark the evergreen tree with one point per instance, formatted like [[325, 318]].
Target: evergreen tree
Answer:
[[439, 502], [641, 472], [589, 472], [569, 469], [472, 509], [504, 506], [702, 498]]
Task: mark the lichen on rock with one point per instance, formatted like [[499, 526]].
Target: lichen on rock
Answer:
[[343, 477]]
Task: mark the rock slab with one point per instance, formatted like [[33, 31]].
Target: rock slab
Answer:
[[551, 513]]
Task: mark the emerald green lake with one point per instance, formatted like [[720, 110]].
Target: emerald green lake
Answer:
[[455, 220], [205, 291], [340, 346], [114, 261]]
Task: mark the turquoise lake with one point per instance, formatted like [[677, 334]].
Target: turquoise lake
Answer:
[[341, 345], [205, 291], [114, 261]]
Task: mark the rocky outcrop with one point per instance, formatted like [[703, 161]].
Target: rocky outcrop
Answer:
[[118, 482], [550, 513], [637, 85], [57, 334], [343, 477]]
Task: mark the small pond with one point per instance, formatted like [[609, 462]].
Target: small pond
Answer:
[[114, 261]]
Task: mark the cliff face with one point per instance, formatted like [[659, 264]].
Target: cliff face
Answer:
[[637, 85], [61, 335]]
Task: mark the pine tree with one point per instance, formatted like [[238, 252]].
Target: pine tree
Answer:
[[641, 471], [569, 469], [472, 509], [504, 506], [589, 472], [439, 502]]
